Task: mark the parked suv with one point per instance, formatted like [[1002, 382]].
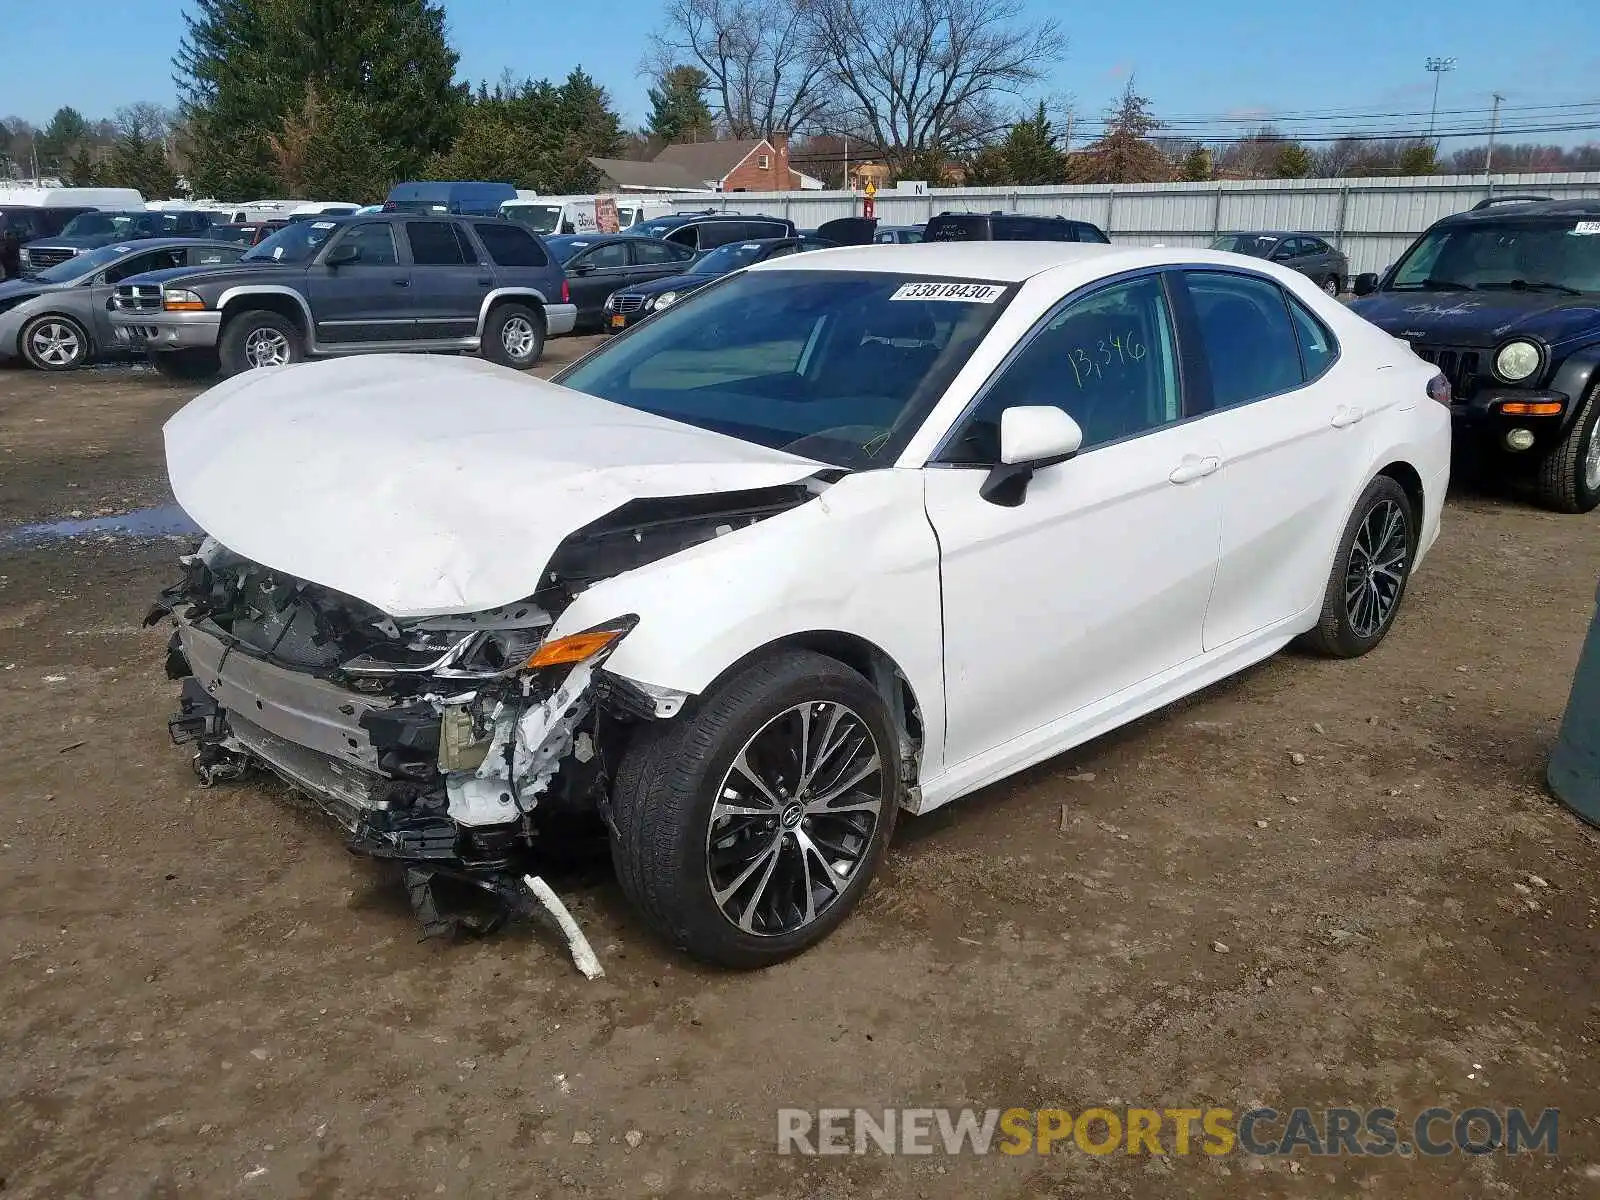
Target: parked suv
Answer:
[[91, 230], [708, 230], [20, 223], [352, 285], [1311, 256], [1506, 301], [1008, 227]]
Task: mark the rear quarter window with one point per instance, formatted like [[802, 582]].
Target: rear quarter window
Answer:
[[509, 245]]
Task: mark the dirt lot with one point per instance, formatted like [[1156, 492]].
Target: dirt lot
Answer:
[[203, 995]]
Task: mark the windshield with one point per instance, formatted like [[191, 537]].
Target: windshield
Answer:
[[120, 224], [1549, 255], [83, 264], [838, 366], [297, 242], [541, 218], [728, 258], [1258, 245]]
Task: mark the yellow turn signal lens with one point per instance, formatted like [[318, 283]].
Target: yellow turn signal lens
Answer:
[[1533, 408], [183, 305], [574, 648]]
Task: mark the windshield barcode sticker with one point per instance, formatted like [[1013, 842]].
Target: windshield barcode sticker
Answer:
[[1586, 227], [969, 293]]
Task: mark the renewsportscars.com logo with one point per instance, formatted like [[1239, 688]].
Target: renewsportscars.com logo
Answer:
[[1374, 1132]]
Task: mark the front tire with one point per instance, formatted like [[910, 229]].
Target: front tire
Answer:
[[1369, 574], [55, 343], [259, 338], [1569, 477], [748, 828], [1331, 286], [513, 336]]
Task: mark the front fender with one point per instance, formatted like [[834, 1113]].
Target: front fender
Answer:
[[861, 559], [1578, 372]]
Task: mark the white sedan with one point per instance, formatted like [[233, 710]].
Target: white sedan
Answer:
[[845, 534]]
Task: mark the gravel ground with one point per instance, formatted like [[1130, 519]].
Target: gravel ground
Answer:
[[1311, 885]]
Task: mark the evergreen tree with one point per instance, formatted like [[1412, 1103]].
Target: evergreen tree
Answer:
[[329, 150], [1032, 156], [1293, 161], [61, 140], [1418, 159], [1197, 167], [678, 111], [247, 69], [138, 157]]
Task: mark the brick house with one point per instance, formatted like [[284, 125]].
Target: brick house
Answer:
[[751, 165]]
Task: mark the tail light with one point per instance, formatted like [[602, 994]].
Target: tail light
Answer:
[[566, 293], [1439, 389]]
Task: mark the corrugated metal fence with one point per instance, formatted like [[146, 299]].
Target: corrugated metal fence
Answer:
[[1371, 220]]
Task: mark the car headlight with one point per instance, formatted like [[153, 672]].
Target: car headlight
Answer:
[[179, 300], [581, 647], [1517, 361], [609, 304], [665, 299], [25, 257]]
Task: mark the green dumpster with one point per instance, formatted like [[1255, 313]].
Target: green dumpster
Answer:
[[1574, 771]]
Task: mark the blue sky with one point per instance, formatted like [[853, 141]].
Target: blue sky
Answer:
[[1233, 57]]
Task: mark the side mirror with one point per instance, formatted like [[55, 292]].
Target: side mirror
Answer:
[[343, 256], [1365, 283], [1031, 436]]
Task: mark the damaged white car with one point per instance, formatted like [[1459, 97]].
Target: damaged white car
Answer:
[[847, 533]]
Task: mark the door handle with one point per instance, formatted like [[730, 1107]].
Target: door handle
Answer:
[[1347, 416], [1192, 468], [402, 282]]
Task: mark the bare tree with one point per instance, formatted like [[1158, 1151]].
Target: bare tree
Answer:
[[931, 75], [764, 64]]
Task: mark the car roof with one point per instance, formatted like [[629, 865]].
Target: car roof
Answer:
[[1579, 207], [1003, 262]]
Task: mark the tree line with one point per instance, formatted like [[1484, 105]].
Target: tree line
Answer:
[[308, 98]]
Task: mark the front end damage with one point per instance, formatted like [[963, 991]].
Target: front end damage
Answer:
[[462, 748]]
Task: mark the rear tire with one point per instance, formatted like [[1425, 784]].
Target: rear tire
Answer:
[[747, 873], [1369, 575], [259, 338], [185, 366], [55, 342], [1331, 286], [1569, 477], [513, 336]]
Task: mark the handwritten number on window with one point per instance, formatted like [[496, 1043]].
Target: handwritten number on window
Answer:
[[1117, 350]]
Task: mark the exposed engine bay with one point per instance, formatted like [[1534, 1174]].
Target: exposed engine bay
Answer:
[[457, 746]]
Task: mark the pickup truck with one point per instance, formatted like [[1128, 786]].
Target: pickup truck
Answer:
[[352, 285]]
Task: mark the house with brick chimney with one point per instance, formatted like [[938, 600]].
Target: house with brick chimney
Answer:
[[750, 165]]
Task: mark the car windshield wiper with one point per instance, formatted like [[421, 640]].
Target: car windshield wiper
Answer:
[[1433, 285], [1532, 285]]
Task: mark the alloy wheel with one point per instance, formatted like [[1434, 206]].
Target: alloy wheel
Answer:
[[1376, 570], [1591, 461], [795, 818], [518, 336], [266, 347], [1331, 286], [56, 343]]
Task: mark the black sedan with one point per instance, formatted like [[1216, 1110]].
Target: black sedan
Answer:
[[634, 304], [598, 264]]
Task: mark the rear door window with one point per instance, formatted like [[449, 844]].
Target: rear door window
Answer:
[[434, 244], [1250, 342]]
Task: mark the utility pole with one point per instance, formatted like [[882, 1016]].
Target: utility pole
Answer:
[[1436, 67], [847, 186], [1494, 127]]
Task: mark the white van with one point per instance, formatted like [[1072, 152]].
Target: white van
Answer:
[[576, 214], [105, 199]]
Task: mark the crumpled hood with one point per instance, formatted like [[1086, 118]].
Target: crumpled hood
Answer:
[[428, 485], [1479, 318]]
